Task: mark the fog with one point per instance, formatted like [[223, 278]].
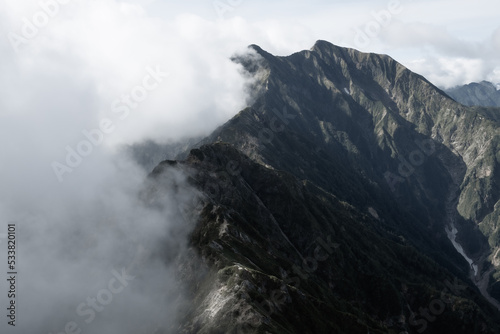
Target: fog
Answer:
[[94, 259], [98, 251]]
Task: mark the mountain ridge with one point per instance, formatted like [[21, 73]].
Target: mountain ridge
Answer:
[[364, 129], [484, 93]]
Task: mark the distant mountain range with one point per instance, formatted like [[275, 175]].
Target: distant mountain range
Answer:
[[484, 94], [340, 200]]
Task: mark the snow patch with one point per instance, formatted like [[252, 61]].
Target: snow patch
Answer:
[[347, 91]]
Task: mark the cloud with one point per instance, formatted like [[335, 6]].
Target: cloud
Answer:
[[449, 61], [108, 45], [76, 236], [92, 254], [449, 72]]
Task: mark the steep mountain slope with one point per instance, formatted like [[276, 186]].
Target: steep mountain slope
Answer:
[[484, 94], [285, 256], [370, 131], [329, 126]]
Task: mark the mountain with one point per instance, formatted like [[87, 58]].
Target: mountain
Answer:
[[340, 200], [484, 94]]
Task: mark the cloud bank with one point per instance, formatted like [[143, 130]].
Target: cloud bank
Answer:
[[96, 252]]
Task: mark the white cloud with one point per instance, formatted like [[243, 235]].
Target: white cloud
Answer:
[[449, 72], [63, 81]]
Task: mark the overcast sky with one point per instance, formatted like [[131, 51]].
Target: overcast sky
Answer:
[[450, 42], [87, 54]]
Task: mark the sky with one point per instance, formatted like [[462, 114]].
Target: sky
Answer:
[[99, 50], [81, 79]]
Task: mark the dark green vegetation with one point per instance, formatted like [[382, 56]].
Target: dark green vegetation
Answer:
[[325, 203], [483, 94]]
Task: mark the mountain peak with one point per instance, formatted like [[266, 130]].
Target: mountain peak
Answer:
[[482, 93], [260, 51], [255, 47], [326, 48], [322, 45]]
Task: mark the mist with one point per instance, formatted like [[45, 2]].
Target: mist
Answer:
[[105, 258], [100, 247]]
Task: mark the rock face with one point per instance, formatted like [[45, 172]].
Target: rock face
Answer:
[[326, 203], [484, 94]]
